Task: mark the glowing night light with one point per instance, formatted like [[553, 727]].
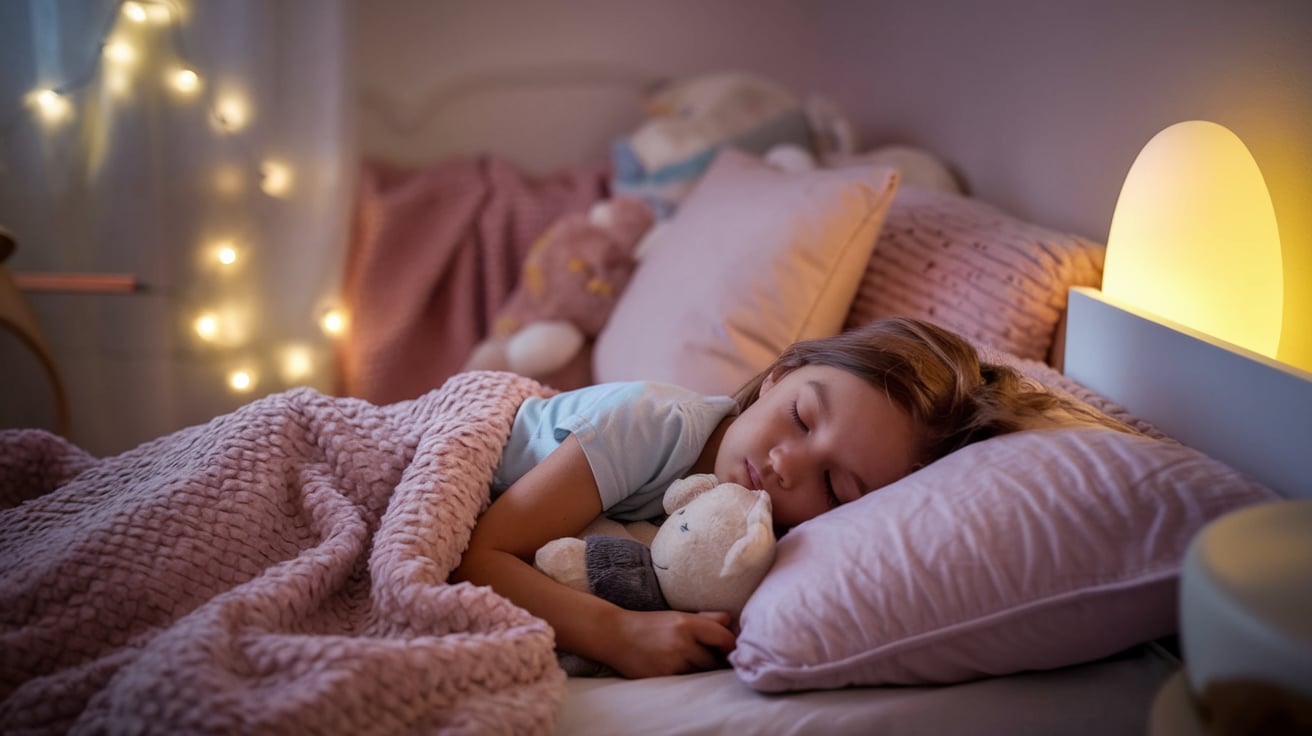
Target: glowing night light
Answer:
[[1226, 273], [333, 322], [207, 325], [186, 80], [241, 380], [277, 178]]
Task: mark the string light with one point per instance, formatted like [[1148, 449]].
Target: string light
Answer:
[[207, 326], [297, 363], [333, 322], [53, 106], [242, 380], [225, 254], [135, 12], [120, 52], [277, 178], [230, 112], [186, 81]]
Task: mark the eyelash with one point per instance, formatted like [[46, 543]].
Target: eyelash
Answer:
[[831, 496]]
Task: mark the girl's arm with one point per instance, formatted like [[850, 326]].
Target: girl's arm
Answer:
[[557, 498]]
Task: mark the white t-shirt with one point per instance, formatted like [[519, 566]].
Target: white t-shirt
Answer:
[[638, 438]]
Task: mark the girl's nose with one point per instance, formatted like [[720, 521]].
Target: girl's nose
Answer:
[[788, 462]]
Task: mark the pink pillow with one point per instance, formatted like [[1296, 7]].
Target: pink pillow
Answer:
[[753, 260], [1024, 552], [974, 269]]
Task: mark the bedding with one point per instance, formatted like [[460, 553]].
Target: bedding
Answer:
[[1029, 551], [280, 569], [434, 253], [776, 258], [983, 273]]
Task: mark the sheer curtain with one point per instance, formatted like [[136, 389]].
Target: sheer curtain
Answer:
[[200, 147]]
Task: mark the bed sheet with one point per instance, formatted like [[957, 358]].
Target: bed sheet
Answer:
[[1110, 696]]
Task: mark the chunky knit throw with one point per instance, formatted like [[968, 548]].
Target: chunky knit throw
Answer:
[[280, 569]]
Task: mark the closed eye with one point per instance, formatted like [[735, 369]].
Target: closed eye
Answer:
[[683, 527], [797, 418]]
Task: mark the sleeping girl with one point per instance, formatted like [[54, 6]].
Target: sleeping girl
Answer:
[[831, 420]]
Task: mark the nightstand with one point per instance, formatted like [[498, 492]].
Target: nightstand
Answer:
[[1245, 627]]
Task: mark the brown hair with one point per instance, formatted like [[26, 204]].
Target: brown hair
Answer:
[[938, 378]]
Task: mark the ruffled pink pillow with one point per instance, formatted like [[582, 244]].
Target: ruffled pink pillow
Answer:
[[967, 265]]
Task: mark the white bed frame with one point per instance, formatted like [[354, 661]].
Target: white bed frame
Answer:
[[1246, 410]]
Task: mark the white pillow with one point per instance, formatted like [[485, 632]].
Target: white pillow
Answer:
[[753, 260]]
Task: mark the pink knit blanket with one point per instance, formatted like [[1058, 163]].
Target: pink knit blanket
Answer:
[[281, 569]]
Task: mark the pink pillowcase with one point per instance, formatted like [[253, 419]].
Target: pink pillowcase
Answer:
[[1028, 551], [753, 260], [967, 265]]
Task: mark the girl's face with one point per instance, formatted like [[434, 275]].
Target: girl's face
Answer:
[[817, 438]]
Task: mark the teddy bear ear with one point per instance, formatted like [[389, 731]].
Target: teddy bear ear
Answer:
[[682, 491], [754, 550]]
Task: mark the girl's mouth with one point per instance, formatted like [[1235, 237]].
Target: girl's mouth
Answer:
[[757, 485]]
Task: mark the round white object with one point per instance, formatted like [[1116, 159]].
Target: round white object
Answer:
[[1246, 598]]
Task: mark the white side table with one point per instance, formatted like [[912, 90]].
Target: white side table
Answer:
[[1245, 627]]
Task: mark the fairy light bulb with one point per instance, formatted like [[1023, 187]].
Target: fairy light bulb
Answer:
[[276, 178], [53, 106], [207, 325], [135, 12], [157, 13], [297, 363], [226, 254], [120, 52], [231, 113], [333, 322], [186, 81], [241, 380]]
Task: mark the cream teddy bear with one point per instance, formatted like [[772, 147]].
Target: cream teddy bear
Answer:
[[711, 552]]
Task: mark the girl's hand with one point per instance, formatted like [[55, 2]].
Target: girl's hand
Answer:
[[656, 643]]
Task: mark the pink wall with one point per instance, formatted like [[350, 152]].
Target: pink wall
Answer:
[[1042, 106]]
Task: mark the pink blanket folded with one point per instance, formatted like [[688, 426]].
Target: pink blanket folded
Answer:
[[434, 253], [281, 569]]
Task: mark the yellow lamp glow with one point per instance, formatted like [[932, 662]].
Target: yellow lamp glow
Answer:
[[1194, 238]]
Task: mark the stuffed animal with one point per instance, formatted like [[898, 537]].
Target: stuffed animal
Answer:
[[711, 552], [690, 120], [568, 286]]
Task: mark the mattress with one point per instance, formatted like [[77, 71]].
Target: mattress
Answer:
[[1110, 696]]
